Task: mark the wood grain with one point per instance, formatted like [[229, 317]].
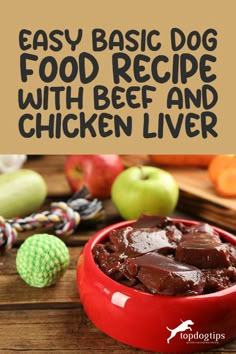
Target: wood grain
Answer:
[[60, 331], [196, 182], [52, 320], [197, 194], [16, 293], [216, 215], [51, 167]]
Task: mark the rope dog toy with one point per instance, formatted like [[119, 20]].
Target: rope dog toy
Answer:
[[63, 217]]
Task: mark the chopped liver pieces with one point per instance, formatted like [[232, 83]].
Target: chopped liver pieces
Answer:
[[162, 275], [159, 256], [203, 253], [133, 242]]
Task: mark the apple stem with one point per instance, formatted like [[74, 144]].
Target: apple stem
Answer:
[[143, 176]]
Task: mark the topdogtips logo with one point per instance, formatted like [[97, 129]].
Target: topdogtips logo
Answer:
[[181, 328], [193, 337]]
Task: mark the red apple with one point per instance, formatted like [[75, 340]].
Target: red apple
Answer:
[[96, 172]]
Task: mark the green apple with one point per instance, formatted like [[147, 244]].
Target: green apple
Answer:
[[148, 190]]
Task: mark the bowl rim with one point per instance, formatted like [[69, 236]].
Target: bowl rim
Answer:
[[101, 234]]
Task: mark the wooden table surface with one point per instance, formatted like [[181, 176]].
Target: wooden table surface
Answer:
[[52, 320]]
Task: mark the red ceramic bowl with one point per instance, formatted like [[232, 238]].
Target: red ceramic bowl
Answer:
[[143, 320]]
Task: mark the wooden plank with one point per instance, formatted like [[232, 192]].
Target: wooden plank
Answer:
[[8, 260], [51, 167], [52, 319], [61, 331], [192, 180], [194, 185], [196, 182], [15, 293], [214, 214], [135, 160], [17, 296], [54, 331]]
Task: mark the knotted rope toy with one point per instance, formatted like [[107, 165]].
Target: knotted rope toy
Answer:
[[63, 217]]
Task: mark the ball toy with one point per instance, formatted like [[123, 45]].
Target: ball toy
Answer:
[[42, 259]]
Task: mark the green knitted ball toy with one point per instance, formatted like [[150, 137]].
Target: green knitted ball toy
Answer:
[[42, 259]]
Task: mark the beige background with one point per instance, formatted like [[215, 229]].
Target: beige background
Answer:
[[161, 15]]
